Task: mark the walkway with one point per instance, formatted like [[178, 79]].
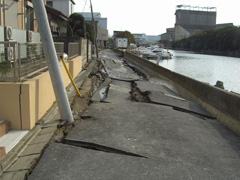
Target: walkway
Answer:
[[140, 129]]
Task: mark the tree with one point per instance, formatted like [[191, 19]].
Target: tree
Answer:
[[128, 35], [76, 25], [225, 39], [90, 31]]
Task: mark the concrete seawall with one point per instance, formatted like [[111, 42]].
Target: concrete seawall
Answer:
[[222, 104]]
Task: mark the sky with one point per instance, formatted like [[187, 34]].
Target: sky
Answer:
[[152, 17]]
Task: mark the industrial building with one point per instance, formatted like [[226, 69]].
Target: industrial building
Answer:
[[167, 38], [191, 20]]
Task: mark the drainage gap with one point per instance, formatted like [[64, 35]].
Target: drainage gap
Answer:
[[98, 147]]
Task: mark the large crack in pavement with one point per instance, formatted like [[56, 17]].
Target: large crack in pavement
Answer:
[[143, 96], [99, 147]]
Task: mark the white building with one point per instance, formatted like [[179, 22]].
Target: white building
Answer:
[[102, 31], [140, 38], [153, 39], [65, 6], [102, 22]]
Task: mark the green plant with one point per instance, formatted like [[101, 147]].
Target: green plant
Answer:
[[76, 25], [225, 39], [5, 67], [2, 56], [126, 34], [90, 30]]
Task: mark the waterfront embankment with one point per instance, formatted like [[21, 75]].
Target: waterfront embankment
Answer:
[[222, 104]]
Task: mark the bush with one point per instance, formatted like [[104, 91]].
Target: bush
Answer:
[[128, 35], [90, 31]]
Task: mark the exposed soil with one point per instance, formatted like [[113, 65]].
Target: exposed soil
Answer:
[[79, 104], [139, 96]]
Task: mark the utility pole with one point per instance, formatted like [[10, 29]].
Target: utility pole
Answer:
[[95, 34], [52, 61]]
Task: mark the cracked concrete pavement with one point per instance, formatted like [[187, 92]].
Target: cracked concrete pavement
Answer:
[[158, 137]]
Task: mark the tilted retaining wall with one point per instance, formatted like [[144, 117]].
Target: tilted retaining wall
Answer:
[[222, 104]]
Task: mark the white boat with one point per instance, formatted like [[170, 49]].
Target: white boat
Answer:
[[164, 55], [154, 54], [161, 53]]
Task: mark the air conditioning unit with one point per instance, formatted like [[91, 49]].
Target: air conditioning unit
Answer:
[[9, 54], [29, 36], [8, 31]]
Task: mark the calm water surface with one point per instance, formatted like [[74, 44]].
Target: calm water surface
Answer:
[[206, 68]]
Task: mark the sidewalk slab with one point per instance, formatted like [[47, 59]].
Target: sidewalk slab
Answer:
[[33, 149], [24, 163], [188, 106], [119, 91], [117, 70], [68, 162], [161, 94], [157, 132], [149, 86], [16, 175]]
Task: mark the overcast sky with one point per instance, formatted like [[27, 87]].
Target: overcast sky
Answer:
[[153, 16]]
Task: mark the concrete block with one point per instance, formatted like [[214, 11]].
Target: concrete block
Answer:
[[18, 175], [42, 138], [24, 163], [33, 149]]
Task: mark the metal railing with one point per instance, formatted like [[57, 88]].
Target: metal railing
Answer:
[[8, 62], [18, 60]]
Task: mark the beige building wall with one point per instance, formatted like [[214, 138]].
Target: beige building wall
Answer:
[[9, 104], [28, 104], [75, 66], [23, 104], [45, 96]]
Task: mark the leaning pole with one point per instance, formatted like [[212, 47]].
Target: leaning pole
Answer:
[[52, 61]]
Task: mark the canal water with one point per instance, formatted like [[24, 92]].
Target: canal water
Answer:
[[206, 68]]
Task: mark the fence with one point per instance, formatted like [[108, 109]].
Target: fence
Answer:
[[18, 60], [74, 49]]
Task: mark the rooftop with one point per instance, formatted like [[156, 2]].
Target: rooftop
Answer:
[[195, 8]]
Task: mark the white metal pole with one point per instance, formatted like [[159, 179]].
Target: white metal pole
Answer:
[[52, 61], [95, 28]]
